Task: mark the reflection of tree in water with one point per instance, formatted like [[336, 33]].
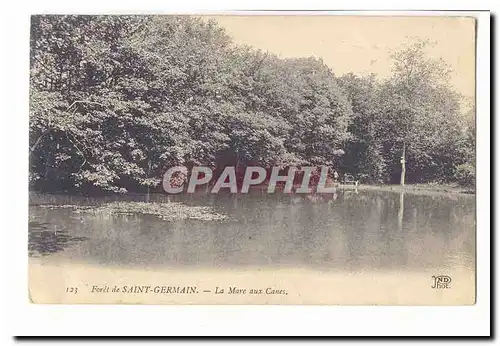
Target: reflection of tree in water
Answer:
[[349, 231], [43, 241]]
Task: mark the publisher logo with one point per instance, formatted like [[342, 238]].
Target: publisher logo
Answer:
[[441, 282]]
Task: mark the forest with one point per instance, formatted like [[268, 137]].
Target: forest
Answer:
[[117, 100]]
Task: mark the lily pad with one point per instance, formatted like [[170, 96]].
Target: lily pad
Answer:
[[171, 211]]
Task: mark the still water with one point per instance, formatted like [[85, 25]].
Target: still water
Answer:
[[353, 231]]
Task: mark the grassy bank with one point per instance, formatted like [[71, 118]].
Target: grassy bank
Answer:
[[415, 188], [40, 198]]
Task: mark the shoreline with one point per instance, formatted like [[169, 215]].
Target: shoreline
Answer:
[[413, 188], [409, 188]]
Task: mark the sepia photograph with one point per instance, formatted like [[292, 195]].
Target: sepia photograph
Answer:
[[252, 159]]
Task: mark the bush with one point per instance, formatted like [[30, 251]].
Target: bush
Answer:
[[465, 175]]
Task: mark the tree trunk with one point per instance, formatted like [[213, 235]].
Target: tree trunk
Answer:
[[403, 165]]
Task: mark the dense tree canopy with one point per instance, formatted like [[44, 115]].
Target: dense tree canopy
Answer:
[[116, 100]]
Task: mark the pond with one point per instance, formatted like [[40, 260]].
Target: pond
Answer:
[[350, 231]]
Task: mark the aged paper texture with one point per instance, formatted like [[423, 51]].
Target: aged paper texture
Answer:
[[279, 159]]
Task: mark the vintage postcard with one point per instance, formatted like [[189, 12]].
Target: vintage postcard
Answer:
[[252, 159]]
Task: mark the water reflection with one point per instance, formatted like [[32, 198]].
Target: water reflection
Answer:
[[44, 240], [353, 230]]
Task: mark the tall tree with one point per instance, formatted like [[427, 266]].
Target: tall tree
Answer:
[[415, 82]]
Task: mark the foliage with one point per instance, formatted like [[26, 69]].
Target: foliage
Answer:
[[465, 175], [116, 100], [416, 109]]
